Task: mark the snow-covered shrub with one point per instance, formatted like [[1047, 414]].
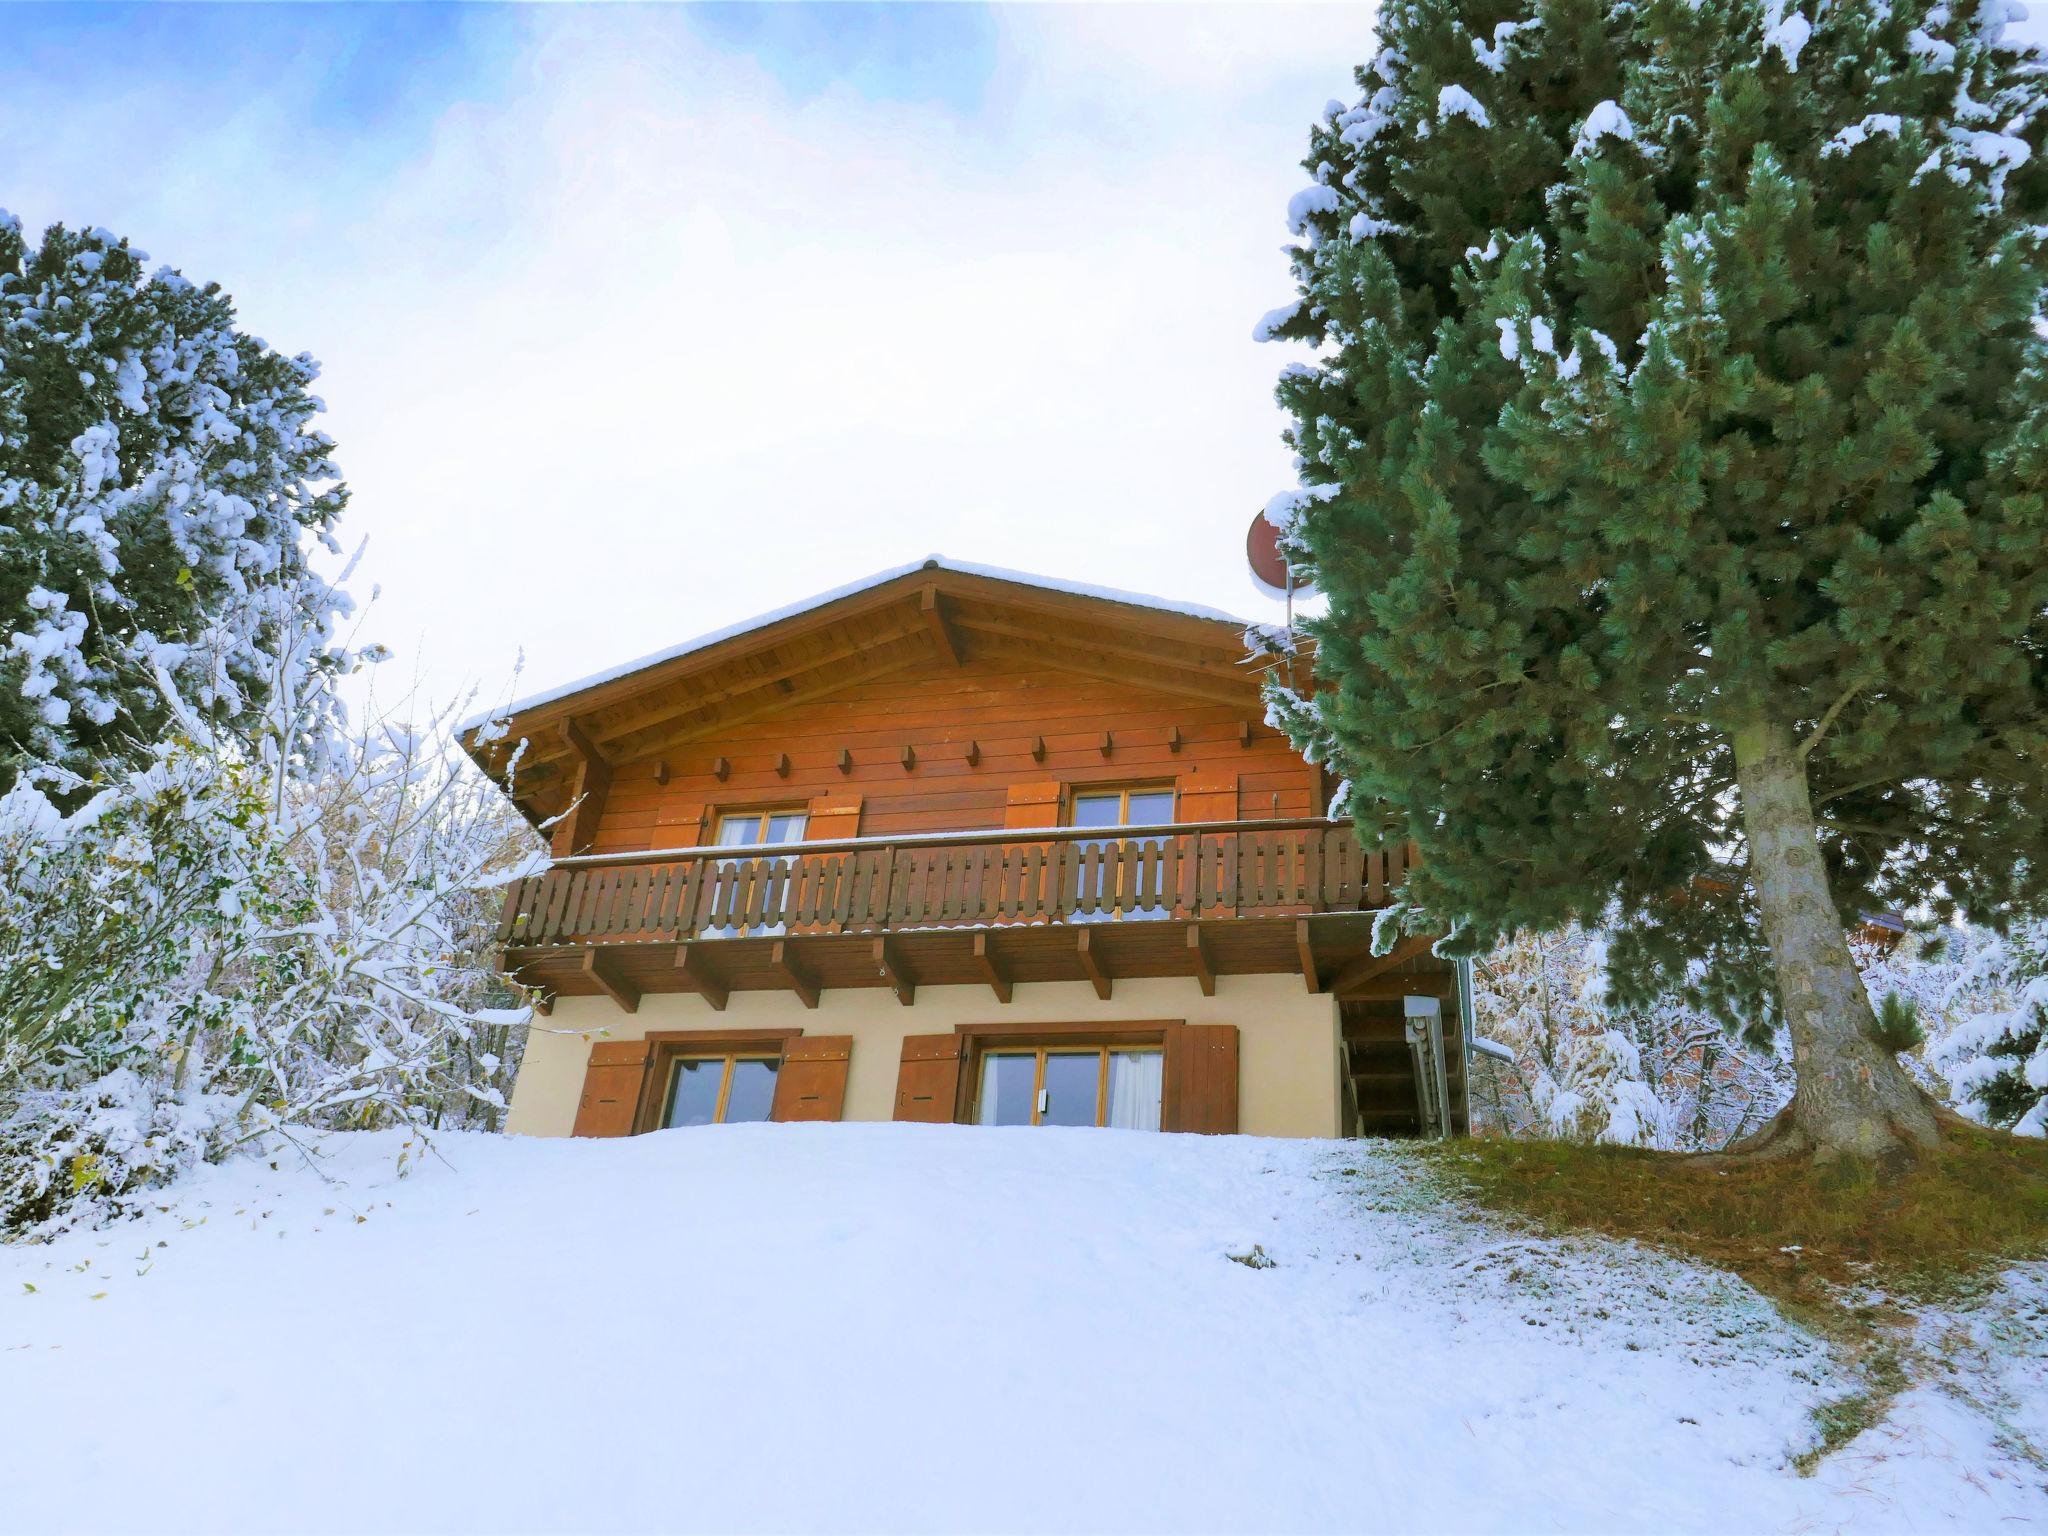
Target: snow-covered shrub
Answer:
[[215, 948], [223, 915], [1982, 999], [1671, 1077]]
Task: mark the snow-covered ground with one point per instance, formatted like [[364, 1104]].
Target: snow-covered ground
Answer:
[[931, 1328]]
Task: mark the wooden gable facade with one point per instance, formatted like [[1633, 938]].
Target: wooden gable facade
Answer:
[[936, 701], [919, 725]]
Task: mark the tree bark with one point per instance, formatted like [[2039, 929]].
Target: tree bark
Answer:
[[1853, 1099]]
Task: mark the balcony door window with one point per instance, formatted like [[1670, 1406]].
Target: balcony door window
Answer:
[[720, 1090], [1135, 806], [1071, 1085], [756, 830]]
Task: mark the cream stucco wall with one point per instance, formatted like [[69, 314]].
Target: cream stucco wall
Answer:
[[1287, 1039]]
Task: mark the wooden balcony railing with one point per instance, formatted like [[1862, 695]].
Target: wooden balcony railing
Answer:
[[955, 880]]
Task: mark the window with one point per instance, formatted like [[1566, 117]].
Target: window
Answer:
[[1135, 806], [719, 1090], [756, 829], [1142, 806], [1071, 1085], [750, 829]]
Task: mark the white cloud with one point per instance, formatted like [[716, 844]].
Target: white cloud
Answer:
[[633, 344]]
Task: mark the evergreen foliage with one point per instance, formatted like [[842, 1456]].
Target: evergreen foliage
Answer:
[[1677, 367], [1898, 1024], [157, 474]]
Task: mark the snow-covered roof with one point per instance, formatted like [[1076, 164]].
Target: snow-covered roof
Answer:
[[775, 616]]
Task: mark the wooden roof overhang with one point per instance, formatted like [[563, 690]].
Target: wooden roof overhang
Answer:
[[931, 614]]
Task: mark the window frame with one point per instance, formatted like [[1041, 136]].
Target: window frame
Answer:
[[760, 814], [730, 1060], [983, 1040], [1114, 837], [666, 1046], [1123, 791]]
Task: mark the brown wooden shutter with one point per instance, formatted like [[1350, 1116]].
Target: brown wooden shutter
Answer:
[[1035, 804], [1200, 1092], [1207, 797], [928, 1081], [833, 817], [811, 1083], [611, 1088]]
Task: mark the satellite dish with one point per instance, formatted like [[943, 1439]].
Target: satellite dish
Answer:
[[1270, 571]]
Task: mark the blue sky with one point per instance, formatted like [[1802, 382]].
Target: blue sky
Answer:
[[637, 320]]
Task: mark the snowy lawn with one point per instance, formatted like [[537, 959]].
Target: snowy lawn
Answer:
[[872, 1327]]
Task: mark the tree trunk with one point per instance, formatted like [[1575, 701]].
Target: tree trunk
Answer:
[[1853, 1098]]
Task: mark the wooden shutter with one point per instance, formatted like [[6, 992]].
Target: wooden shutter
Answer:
[[1035, 804], [1200, 1092], [811, 1083], [1207, 797], [833, 817], [611, 1088], [928, 1081]]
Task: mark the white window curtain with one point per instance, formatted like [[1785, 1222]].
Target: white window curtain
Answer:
[[985, 1108], [1135, 1080]]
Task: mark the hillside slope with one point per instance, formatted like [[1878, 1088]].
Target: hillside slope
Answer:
[[926, 1328]]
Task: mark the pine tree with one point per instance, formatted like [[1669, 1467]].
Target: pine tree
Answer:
[[157, 476], [1673, 459]]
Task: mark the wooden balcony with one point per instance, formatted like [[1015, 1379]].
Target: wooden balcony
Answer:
[[994, 908]]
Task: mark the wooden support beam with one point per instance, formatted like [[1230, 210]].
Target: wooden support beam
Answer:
[[589, 785], [795, 976], [973, 754], [747, 682], [1209, 688], [604, 970], [1038, 749], [1091, 966], [1306, 952], [1108, 743], [707, 720], [909, 757], [1173, 738], [544, 1004], [1384, 989], [991, 969], [1366, 968], [1244, 733], [721, 770], [782, 765], [845, 760], [702, 980], [944, 636], [892, 972], [1198, 957], [661, 770]]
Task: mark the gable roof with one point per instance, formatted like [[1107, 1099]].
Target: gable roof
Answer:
[[935, 610]]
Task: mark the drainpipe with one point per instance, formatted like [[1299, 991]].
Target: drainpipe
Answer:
[[1425, 1020], [1468, 1017]]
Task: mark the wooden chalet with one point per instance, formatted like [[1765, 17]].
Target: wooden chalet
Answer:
[[956, 844]]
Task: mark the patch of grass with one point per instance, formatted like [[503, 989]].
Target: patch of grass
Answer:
[[1793, 1230]]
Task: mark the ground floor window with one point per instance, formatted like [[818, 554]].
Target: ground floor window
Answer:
[[720, 1090], [1071, 1085]]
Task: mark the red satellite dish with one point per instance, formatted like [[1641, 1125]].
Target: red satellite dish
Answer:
[[1270, 572]]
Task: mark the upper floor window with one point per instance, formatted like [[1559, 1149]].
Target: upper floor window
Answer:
[[1141, 805], [1136, 806], [757, 829], [750, 829]]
